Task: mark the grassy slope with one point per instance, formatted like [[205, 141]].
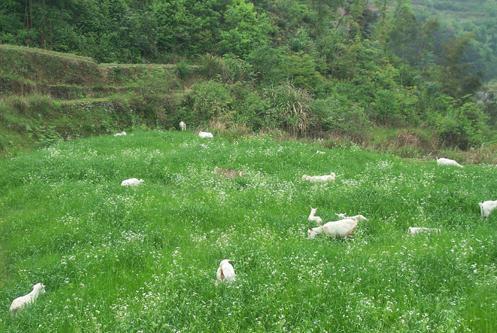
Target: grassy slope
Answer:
[[117, 259]]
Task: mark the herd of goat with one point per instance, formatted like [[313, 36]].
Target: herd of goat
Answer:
[[342, 228]]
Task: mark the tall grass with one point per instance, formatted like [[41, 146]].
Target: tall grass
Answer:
[[144, 259]]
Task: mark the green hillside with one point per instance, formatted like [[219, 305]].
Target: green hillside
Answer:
[[340, 69], [476, 17], [117, 259], [48, 96]]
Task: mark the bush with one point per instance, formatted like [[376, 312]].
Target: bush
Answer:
[[211, 67], [228, 69], [337, 114], [268, 64], [488, 98], [183, 70], [236, 69], [249, 108], [208, 100], [289, 109], [463, 127]]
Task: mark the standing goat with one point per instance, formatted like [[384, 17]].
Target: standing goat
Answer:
[[182, 126], [337, 229], [314, 218], [20, 302]]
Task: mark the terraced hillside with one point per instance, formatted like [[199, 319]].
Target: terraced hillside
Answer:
[[47, 95], [66, 76], [117, 259]]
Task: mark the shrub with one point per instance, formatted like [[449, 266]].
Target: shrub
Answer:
[[207, 100], [289, 108], [488, 98], [228, 69], [337, 114], [249, 108], [464, 127], [211, 67], [236, 69], [268, 64], [183, 70]]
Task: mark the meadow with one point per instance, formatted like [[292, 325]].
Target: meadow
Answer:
[[144, 259]]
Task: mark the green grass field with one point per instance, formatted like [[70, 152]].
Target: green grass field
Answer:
[[144, 259]]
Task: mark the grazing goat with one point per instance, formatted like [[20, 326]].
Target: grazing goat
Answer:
[[20, 302], [420, 230], [123, 133], [225, 272], [205, 135], [182, 126], [313, 218], [448, 162], [487, 207], [132, 182], [320, 179], [337, 229]]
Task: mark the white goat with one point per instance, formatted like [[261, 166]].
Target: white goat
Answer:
[[225, 272], [182, 126], [337, 229], [132, 182], [448, 162], [123, 133], [205, 135], [313, 218], [421, 230], [487, 207], [20, 302], [320, 179]]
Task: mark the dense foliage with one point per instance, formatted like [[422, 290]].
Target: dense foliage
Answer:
[[476, 17], [302, 66]]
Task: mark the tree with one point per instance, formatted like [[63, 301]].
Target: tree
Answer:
[[459, 75], [244, 29]]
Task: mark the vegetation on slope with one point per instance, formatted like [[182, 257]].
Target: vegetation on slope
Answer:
[[48, 96], [144, 259], [458, 17], [228, 92]]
